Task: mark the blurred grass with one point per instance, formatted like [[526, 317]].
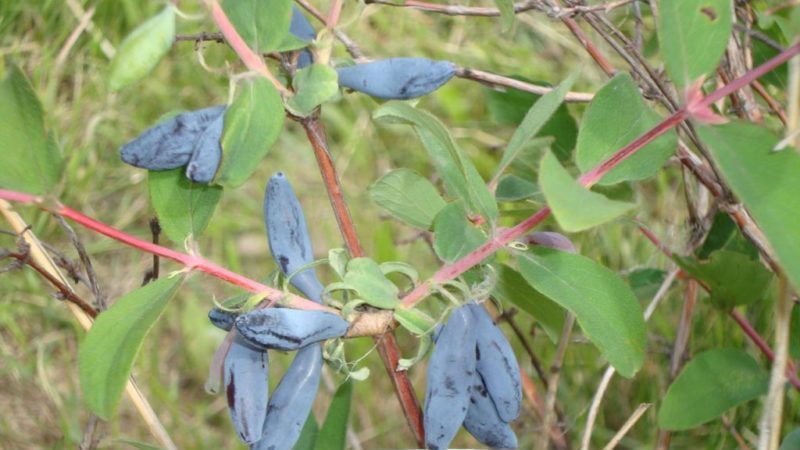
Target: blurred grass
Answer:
[[41, 399]]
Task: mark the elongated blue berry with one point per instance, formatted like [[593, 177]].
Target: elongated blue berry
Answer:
[[169, 144], [397, 78], [302, 29], [497, 365], [451, 371], [222, 319], [288, 236], [207, 153], [289, 329], [482, 420], [292, 400], [246, 373]]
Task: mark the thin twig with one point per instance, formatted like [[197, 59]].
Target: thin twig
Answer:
[[41, 257], [555, 374], [457, 10], [91, 275], [90, 440], [386, 343], [64, 291], [740, 320], [352, 48], [201, 37], [602, 387], [769, 427], [627, 425], [492, 79]]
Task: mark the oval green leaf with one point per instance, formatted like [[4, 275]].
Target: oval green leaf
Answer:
[[253, 123], [453, 235], [30, 160], [262, 24], [461, 178], [791, 441], [407, 196], [313, 85], [604, 306], [183, 208], [617, 116], [711, 383], [511, 288], [106, 355], [733, 278], [575, 207], [765, 181], [365, 277], [141, 50], [692, 35]]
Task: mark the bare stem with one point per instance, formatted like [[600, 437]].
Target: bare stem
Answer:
[[506, 236], [492, 79], [555, 375], [769, 426], [386, 342]]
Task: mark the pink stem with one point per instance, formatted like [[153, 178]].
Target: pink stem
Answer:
[[451, 271], [191, 262], [246, 54], [742, 321]]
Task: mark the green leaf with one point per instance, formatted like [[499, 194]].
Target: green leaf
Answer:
[[602, 303], [252, 124], [575, 207], [333, 434], [407, 196], [645, 281], [308, 435], [183, 208], [512, 289], [616, 117], [262, 24], [365, 277], [414, 320], [29, 159], [314, 85], [693, 35], [141, 50], [765, 181], [512, 188], [507, 14], [511, 106], [711, 383], [534, 120], [791, 441], [454, 235], [337, 259], [106, 355], [724, 234], [734, 278], [460, 177]]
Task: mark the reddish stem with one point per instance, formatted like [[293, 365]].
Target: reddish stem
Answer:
[[386, 344], [191, 262], [451, 271], [742, 321], [246, 54]]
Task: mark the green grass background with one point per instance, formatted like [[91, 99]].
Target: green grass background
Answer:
[[40, 398]]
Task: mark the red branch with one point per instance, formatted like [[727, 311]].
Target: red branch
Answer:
[[191, 262], [451, 271], [740, 320]]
